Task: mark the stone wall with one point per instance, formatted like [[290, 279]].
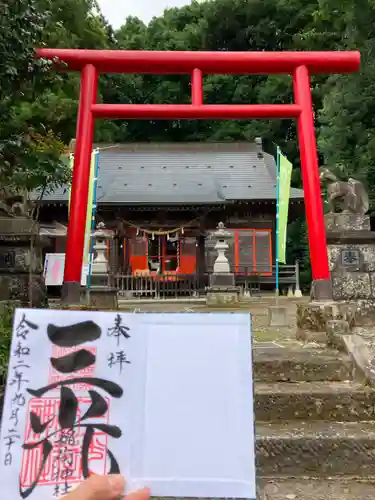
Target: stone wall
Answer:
[[313, 316], [366, 254], [21, 266], [351, 255], [354, 279]]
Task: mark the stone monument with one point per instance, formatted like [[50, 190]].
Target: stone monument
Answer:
[[351, 243], [351, 255], [101, 292], [21, 260], [222, 290]]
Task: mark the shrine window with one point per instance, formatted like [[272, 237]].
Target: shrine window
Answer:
[[249, 251]]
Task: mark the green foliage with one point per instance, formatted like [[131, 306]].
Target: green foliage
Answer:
[[38, 106], [22, 78], [347, 114], [6, 322]]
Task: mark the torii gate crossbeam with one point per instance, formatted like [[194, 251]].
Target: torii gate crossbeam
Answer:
[[300, 65]]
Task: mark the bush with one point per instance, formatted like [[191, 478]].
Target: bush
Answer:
[[6, 322]]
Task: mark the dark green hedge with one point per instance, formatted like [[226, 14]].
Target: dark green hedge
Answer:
[[6, 321]]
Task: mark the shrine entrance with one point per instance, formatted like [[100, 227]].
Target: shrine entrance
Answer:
[[300, 65]]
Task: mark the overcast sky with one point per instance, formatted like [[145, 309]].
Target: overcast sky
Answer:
[[116, 11]]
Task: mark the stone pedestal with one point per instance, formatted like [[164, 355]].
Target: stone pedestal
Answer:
[[344, 222], [222, 297], [21, 266], [351, 255], [225, 280], [102, 298], [71, 293]]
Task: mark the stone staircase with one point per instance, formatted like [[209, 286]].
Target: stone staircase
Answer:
[[315, 426]]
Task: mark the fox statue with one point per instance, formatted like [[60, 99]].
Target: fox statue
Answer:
[[351, 196]]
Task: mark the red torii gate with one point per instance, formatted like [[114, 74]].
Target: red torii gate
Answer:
[[299, 64]]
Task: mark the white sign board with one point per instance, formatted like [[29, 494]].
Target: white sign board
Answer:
[[164, 399], [54, 264]]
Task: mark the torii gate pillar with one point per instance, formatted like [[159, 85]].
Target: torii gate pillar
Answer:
[[298, 64]]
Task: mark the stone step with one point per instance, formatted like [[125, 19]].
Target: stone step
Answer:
[[315, 489], [278, 364], [338, 401], [315, 449]]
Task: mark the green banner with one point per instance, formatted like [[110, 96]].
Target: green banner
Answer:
[[285, 174]]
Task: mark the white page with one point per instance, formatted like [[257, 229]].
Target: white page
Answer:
[[180, 416]]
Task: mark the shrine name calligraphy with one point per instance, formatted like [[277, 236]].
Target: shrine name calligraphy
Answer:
[[63, 431]]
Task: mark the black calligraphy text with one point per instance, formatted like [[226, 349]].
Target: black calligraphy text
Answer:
[[17, 381], [69, 415], [119, 331]]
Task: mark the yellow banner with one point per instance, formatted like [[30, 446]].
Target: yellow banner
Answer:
[[90, 202], [283, 195]]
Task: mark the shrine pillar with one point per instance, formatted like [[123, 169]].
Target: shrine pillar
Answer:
[[80, 186], [321, 286]]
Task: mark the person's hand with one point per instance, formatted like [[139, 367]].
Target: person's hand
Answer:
[[105, 488]]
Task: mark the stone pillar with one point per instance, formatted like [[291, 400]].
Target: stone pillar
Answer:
[[21, 262], [297, 291], [222, 290], [101, 292]]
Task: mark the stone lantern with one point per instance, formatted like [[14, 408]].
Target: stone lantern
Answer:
[[221, 264], [100, 291], [222, 290], [100, 265]]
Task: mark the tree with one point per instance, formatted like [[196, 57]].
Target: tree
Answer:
[[70, 24], [239, 25], [39, 106], [347, 116], [29, 152]]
